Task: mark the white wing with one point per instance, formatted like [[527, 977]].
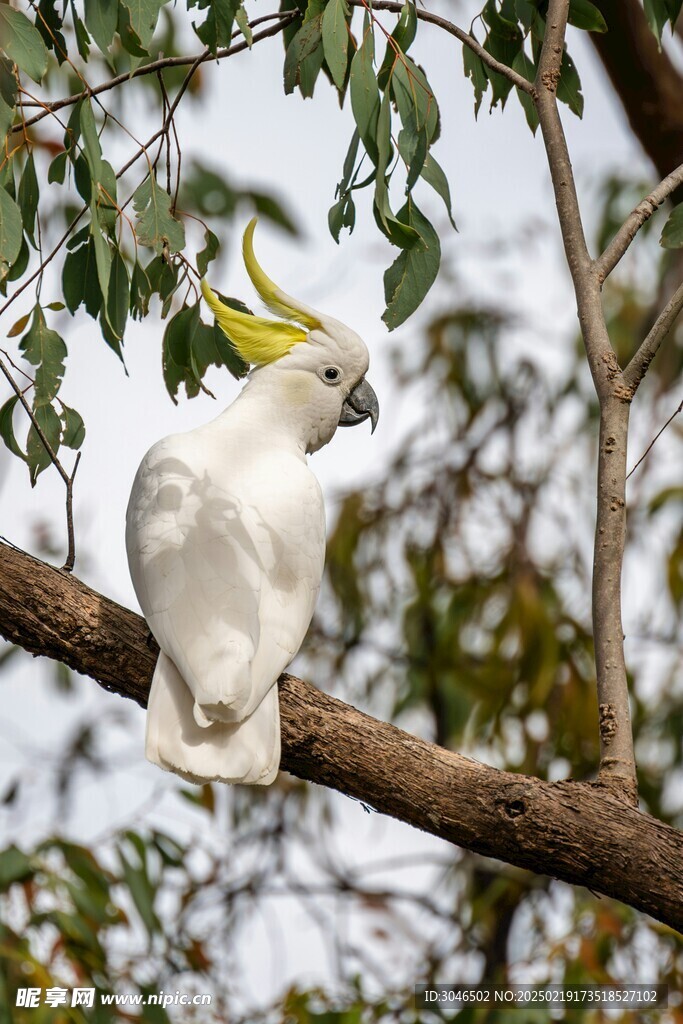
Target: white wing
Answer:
[[226, 556]]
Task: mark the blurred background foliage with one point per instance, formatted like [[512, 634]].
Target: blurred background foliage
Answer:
[[456, 604]]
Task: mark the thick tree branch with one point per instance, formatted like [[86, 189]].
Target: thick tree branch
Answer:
[[572, 831], [617, 762], [645, 80], [606, 263], [638, 366]]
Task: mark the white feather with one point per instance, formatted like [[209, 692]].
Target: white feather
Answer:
[[226, 543]]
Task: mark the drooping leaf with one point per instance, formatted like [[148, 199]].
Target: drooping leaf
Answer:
[[412, 274], [46, 351], [101, 20], [22, 42], [216, 31], [102, 251], [156, 226], [569, 86], [73, 428], [7, 427], [524, 66], [80, 282], [28, 198], [57, 169], [140, 292], [15, 866], [177, 347], [144, 15], [365, 94], [208, 253], [583, 14], [434, 175], [49, 23], [672, 234], [503, 41], [304, 58], [37, 455], [400, 40], [118, 299], [242, 20], [90, 140], [10, 232], [335, 35]]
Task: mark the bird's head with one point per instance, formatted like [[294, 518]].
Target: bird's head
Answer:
[[317, 362]]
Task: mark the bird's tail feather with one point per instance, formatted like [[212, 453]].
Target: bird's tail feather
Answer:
[[246, 751]]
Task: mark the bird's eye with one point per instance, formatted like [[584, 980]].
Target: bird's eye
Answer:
[[331, 374]]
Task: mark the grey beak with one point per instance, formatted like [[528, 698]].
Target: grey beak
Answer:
[[361, 404]]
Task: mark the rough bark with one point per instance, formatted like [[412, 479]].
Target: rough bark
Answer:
[[573, 831]]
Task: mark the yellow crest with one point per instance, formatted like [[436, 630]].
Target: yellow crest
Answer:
[[256, 339]]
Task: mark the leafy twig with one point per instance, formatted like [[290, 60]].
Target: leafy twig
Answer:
[[66, 477]]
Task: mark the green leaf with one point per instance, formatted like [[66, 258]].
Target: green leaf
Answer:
[[415, 99], [342, 215], [82, 37], [412, 274], [524, 66], [475, 70], [57, 169], [102, 252], [90, 140], [156, 226], [503, 41], [672, 235], [15, 866], [144, 15], [118, 298], [569, 86], [242, 20], [45, 350], [101, 19], [583, 14], [657, 13], [140, 292], [304, 58], [433, 174], [79, 280], [208, 253], [22, 42], [176, 349], [28, 198], [365, 94], [49, 23], [37, 455], [401, 38], [7, 434], [210, 347], [6, 117], [267, 206], [10, 232], [216, 31], [335, 34], [73, 428], [141, 890]]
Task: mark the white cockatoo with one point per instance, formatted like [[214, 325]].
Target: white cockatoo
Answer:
[[226, 537]]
